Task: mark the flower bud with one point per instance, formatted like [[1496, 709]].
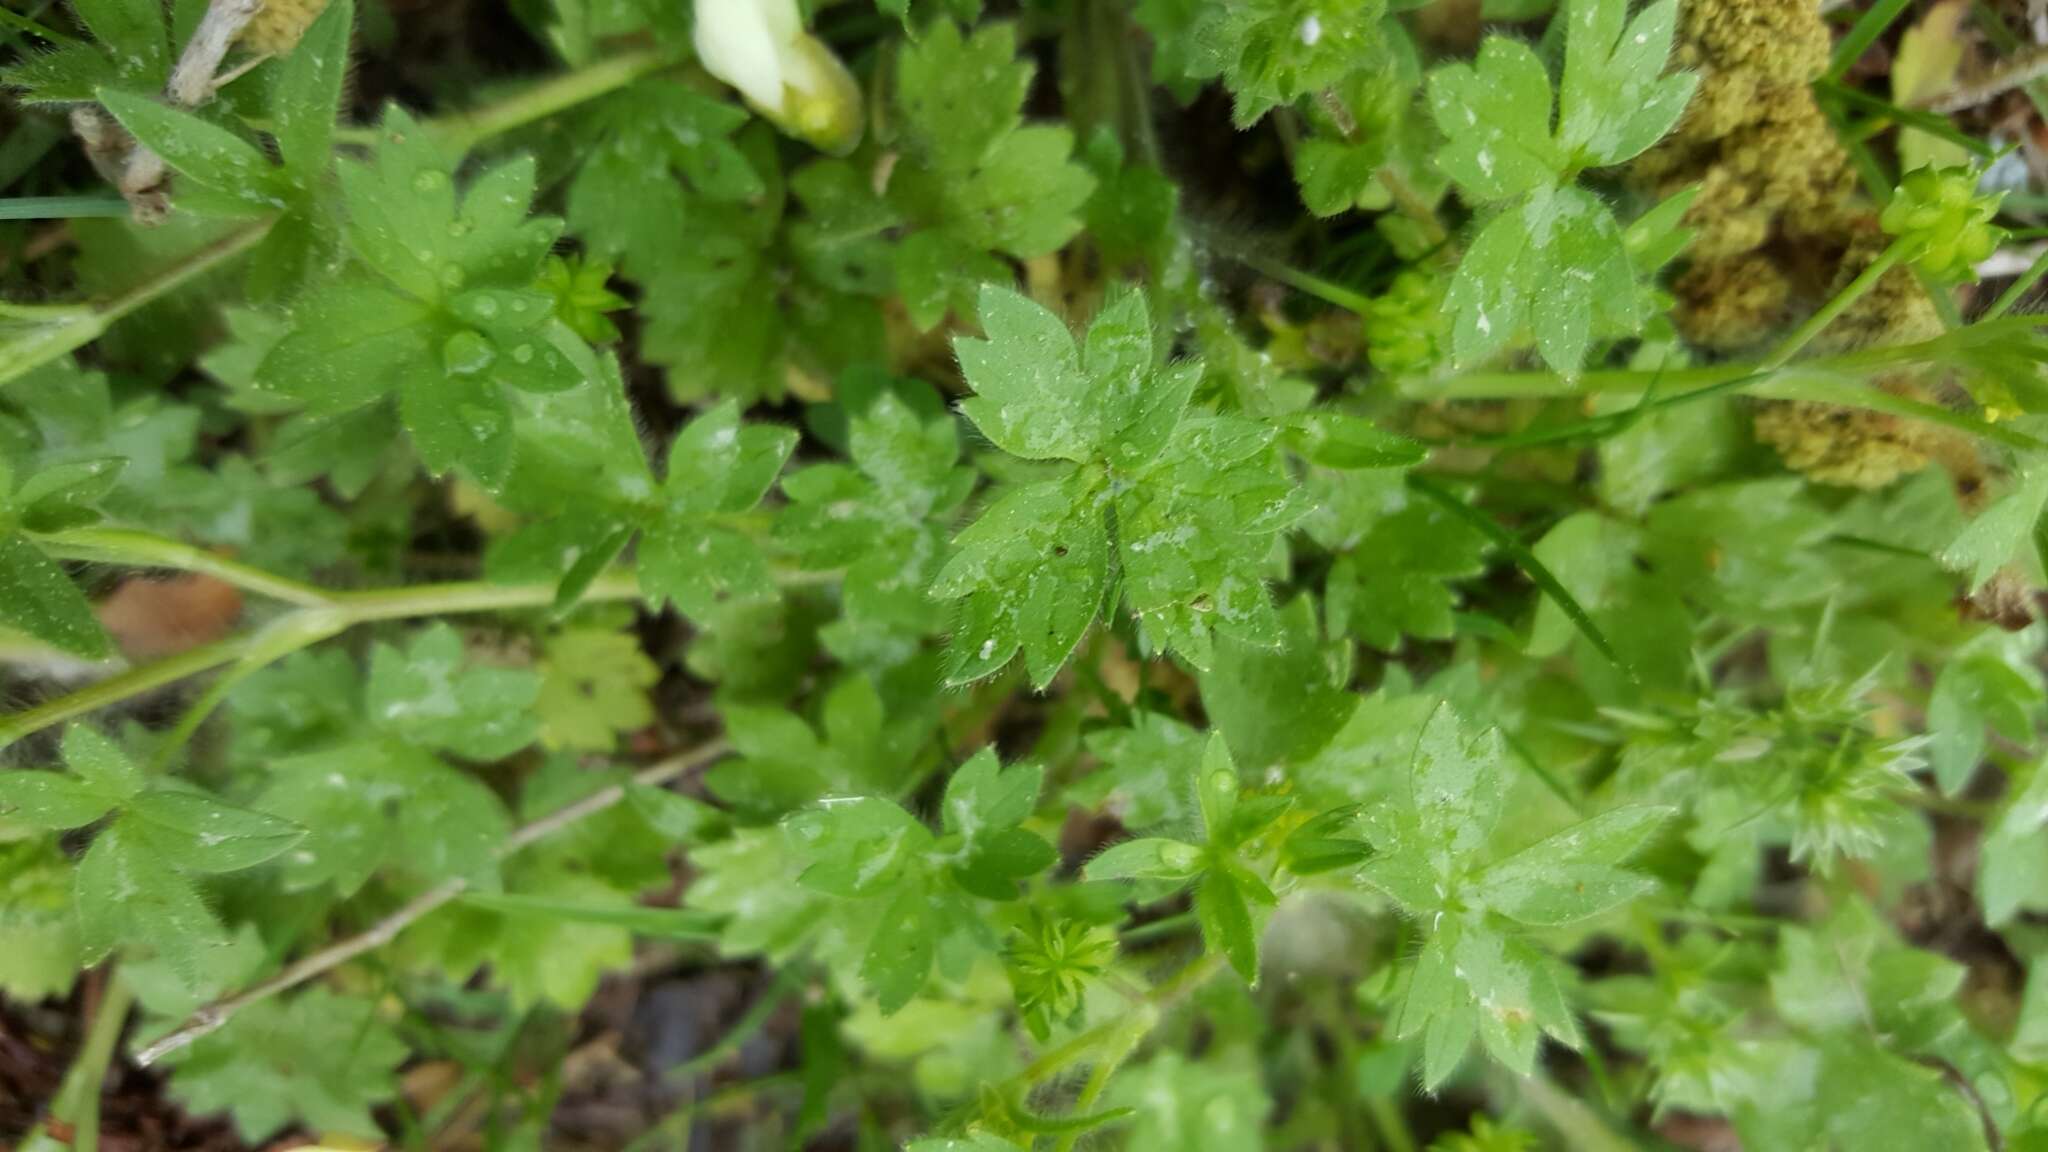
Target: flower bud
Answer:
[[784, 73], [1942, 221]]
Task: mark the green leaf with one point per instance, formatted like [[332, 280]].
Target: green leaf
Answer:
[[196, 833], [1148, 859], [73, 74], [1552, 266], [1436, 1010], [1666, 450], [1993, 688], [1198, 500], [672, 815], [999, 862], [236, 172], [1271, 53], [593, 688], [1397, 557], [130, 897], [1032, 398], [860, 749], [1456, 783], [100, 762], [881, 522], [132, 31], [349, 343], [1590, 555], [1031, 575], [860, 847], [320, 1059], [428, 695], [1147, 775], [41, 959], [1495, 117], [1571, 875], [457, 420], [39, 599], [1279, 705], [306, 97], [52, 801], [405, 224], [624, 200], [900, 956], [1615, 100], [1338, 440], [983, 796], [1218, 1103], [975, 177], [2000, 533], [958, 96], [63, 496], [1471, 981], [1226, 921], [2013, 869], [1325, 843], [691, 553], [983, 805]]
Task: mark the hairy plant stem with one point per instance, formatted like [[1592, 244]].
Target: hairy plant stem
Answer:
[[318, 616], [466, 130], [78, 1098], [211, 1017], [142, 549]]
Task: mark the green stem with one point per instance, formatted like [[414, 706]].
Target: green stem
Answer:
[[1098, 1080], [1392, 1125], [319, 616], [668, 1126], [465, 130], [143, 550], [1170, 926], [1538, 572], [1863, 34], [1549, 385], [2019, 288], [184, 272], [471, 596], [787, 983], [1829, 312], [1327, 291], [29, 350], [21, 23], [62, 207], [78, 1100], [114, 689]]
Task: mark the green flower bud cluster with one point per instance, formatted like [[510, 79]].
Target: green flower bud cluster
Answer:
[[1404, 326], [1943, 223]]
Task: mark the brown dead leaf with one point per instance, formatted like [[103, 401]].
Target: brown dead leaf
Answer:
[[151, 618]]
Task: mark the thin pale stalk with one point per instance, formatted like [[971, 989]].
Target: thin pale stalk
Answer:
[[213, 1016], [1831, 311], [464, 131]]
